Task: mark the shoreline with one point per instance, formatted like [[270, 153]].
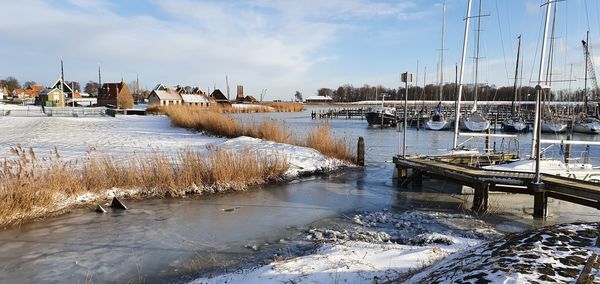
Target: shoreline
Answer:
[[301, 162]]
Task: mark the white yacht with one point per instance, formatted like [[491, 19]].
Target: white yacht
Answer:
[[582, 171], [474, 122], [553, 124], [587, 125]]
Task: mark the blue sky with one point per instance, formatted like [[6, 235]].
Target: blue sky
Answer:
[[282, 46]]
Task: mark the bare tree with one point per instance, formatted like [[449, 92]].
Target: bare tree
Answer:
[[91, 88], [11, 84], [28, 84], [298, 96]]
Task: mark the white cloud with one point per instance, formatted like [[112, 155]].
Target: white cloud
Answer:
[[261, 43]]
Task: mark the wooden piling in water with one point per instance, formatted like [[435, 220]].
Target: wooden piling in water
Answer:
[[360, 149], [540, 200], [481, 197]]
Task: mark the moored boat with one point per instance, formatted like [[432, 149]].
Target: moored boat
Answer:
[[379, 117]]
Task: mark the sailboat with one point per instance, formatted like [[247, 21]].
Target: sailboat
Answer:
[[475, 121], [536, 163], [438, 120], [516, 122], [587, 124], [551, 122], [584, 123]]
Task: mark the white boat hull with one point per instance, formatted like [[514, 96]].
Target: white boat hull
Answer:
[[580, 171], [474, 126], [438, 125], [554, 127], [589, 128]]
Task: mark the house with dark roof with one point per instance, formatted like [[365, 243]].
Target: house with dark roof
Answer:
[[61, 85], [115, 95], [249, 99], [220, 98], [52, 97]]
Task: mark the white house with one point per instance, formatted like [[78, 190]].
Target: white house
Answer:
[[197, 99], [164, 97]]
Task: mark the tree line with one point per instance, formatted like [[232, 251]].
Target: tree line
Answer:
[[431, 92], [91, 87]]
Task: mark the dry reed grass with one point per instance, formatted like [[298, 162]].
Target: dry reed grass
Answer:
[[245, 108], [286, 107], [321, 138], [31, 188]]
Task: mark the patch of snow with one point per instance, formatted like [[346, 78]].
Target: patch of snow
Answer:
[[350, 262], [302, 160], [373, 249], [120, 137]]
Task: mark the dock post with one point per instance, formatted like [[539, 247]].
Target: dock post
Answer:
[[360, 155], [488, 146], [480, 198], [568, 150], [496, 122], [540, 200]]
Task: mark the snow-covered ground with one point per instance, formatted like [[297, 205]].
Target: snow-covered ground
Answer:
[[552, 254], [378, 247], [302, 160], [120, 136], [123, 137]]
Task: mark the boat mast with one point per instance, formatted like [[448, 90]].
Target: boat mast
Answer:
[[549, 68], [462, 72], [516, 77], [535, 146], [587, 56], [477, 58], [442, 52]]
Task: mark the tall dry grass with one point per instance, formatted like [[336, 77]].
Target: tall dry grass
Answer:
[[219, 124], [239, 108], [31, 188], [286, 106], [322, 139]]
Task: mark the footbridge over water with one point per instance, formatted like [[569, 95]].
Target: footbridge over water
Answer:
[[587, 193]]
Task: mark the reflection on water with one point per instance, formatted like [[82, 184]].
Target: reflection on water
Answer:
[[166, 239]]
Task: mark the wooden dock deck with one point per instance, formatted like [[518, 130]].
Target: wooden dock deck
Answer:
[[411, 169]]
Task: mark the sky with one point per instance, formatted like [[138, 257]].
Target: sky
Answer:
[[284, 46]]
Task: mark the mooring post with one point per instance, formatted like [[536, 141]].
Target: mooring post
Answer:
[[488, 146], [480, 198], [417, 177], [360, 155], [540, 200], [496, 122], [568, 150]]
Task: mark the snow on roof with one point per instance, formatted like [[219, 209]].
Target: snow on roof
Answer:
[[169, 95], [319, 98], [195, 98]]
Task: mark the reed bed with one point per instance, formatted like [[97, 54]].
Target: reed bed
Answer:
[[31, 188], [239, 108], [286, 107], [219, 124], [322, 139]]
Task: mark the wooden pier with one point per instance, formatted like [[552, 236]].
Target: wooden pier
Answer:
[[412, 169], [417, 115]]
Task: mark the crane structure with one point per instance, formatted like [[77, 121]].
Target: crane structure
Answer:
[[589, 69]]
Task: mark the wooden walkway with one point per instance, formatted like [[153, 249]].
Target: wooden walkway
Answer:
[[483, 181]]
